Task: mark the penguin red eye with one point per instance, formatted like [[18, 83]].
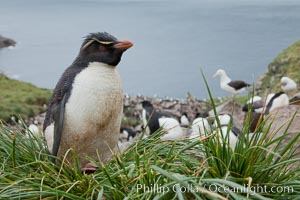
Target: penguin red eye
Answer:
[[102, 48]]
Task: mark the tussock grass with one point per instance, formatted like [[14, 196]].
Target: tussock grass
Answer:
[[203, 168], [152, 169]]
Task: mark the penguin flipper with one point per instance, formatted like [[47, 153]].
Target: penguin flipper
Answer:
[[58, 124]]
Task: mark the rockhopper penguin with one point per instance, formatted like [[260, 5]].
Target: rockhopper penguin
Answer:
[[154, 120], [151, 117], [85, 110]]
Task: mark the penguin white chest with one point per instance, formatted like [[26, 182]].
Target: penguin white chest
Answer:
[[96, 97], [93, 113]]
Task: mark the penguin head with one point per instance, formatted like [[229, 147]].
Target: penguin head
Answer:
[[185, 114], [103, 47], [148, 107], [147, 104]]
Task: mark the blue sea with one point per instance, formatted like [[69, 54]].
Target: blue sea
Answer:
[[173, 40]]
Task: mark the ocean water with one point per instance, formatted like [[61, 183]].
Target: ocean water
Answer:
[[173, 40]]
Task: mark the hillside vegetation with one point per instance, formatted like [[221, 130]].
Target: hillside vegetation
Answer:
[[21, 99], [287, 63]]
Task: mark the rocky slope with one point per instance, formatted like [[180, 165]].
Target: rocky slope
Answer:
[[176, 107]]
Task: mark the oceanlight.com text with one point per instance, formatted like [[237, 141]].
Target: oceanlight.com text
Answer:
[[249, 189], [216, 188]]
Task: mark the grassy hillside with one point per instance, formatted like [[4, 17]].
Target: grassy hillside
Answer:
[[287, 63], [20, 98]]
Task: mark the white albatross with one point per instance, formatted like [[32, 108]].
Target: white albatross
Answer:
[[287, 84], [232, 86]]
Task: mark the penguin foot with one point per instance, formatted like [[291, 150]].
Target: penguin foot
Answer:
[[89, 168]]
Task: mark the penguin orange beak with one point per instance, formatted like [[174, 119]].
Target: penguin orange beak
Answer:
[[123, 45]]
